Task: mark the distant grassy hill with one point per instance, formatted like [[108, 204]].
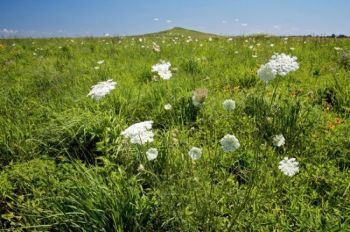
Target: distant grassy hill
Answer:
[[178, 31]]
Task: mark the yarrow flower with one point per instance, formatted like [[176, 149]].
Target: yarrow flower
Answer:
[[100, 62], [198, 96], [163, 70], [152, 154], [195, 153], [279, 64], [229, 143], [168, 107], [289, 167], [278, 140], [229, 105], [101, 89], [139, 133], [266, 73]]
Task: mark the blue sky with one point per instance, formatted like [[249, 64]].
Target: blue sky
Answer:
[[42, 18]]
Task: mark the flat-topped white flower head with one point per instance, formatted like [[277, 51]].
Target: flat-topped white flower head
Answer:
[[152, 154], [163, 70], [229, 105], [139, 133], [279, 64], [289, 167], [278, 140], [101, 89], [266, 73], [100, 62], [168, 107], [229, 143], [195, 153], [283, 64]]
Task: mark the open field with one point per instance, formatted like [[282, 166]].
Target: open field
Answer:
[[64, 165]]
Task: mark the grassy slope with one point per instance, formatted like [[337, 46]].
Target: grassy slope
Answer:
[[65, 166], [179, 31]]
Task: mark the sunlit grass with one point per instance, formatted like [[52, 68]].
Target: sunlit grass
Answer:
[[65, 165]]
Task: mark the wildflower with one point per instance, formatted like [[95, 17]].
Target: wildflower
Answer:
[[266, 73], [330, 125], [152, 154], [141, 168], [168, 107], [229, 105], [96, 67], [155, 47], [280, 64], [210, 39], [198, 96], [289, 166], [101, 89], [278, 140], [163, 70], [139, 133], [283, 64], [195, 153], [229, 143], [338, 120], [100, 62]]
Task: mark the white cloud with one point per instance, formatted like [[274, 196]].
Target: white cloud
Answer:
[[244, 24], [8, 31], [156, 19], [236, 20], [224, 21], [169, 21], [276, 26]]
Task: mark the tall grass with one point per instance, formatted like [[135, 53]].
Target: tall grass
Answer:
[[65, 166]]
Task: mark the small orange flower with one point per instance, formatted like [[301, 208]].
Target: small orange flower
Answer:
[[330, 125], [338, 120]]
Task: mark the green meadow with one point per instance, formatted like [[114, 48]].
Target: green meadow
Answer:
[[64, 165]]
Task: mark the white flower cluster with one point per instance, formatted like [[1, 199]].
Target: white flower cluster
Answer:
[[195, 153], [152, 154], [229, 105], [168, 107], [229, 143], [282, 64], [278, 140], [101, 89], [289, 166], [279, 64], [163, 70], [266, 73], [139, 133]]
